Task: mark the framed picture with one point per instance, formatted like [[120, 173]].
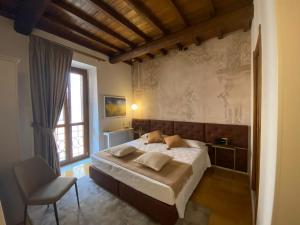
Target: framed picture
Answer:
[[114, 106]]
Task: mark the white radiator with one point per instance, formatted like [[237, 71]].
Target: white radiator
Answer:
[[118, 137]]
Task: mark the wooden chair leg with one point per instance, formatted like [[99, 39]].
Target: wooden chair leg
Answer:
[[56, 215], [76, 188], [25, 214]]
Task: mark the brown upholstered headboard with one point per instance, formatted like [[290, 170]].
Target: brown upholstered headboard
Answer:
[[206, 132], [238, 134], [144, 125], [190, 130], [166, 127]]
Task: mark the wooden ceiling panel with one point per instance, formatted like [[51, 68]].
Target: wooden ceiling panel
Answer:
[[137, 19], [84, 5], [61, 31], [164, 10], [197, 11], [205, 30], [227, 6], [54, 10], [131, 36], [132, 29]]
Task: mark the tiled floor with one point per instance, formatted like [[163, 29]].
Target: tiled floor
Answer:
[[78, 169], [226, 193]]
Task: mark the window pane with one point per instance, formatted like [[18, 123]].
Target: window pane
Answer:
[[77, 140], [60, 142], [61, 119], [76, 82]]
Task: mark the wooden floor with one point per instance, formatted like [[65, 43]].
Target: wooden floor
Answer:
[[225, 193], [228, 196]]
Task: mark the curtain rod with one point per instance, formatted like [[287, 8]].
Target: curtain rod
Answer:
[[75, 50]]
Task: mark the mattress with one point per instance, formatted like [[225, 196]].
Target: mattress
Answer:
[[197, 157]]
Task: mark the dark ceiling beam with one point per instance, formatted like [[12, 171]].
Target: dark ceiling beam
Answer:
[[212, 8], [91, 20], [138, 60], [198, 41], [180, 13], [28, 14], [231, 21], [151, 56], [247, 26], [179, 46], [120, 18], [143, 10], [65, 23], [65, 33], [163, 51], [220, 34]]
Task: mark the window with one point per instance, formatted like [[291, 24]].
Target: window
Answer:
[[71, 132]]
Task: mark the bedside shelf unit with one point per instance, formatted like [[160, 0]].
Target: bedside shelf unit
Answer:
[[228, 156]]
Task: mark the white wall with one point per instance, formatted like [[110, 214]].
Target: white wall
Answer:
[[209, 83], [114, 80], [264, 14], [111, 79], [9, 134], [287, 191], [15, 46]]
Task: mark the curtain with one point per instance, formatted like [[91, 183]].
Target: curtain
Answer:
[[50, 66]]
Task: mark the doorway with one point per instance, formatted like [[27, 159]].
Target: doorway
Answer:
[[257, 92], [72, 130]]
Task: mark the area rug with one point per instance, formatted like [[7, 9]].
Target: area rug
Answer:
[[98, 206]]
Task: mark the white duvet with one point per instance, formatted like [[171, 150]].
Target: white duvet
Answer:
[[197, 157]]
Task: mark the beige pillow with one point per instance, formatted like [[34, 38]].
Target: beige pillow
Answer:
[[121, 151], [154, 160], [194, 143], [155, 137], [175, 141]]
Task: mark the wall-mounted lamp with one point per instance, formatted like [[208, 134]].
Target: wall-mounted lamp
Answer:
[[134, 107]]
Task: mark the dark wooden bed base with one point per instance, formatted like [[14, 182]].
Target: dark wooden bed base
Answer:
[[159, 211]]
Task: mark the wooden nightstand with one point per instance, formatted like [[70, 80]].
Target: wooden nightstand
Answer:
[[228, 156]]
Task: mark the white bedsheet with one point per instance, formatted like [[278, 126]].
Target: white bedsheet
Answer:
[[197, 157]]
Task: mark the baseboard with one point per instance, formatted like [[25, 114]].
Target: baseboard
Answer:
[[253, 206], [236, 171]]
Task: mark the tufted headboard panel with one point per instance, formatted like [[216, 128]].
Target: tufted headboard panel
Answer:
[[144, 125], [206, 132], [238, 134], [167, 127], [190, 130]]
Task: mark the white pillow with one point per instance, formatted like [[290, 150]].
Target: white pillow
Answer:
[[122, 150], [154, 160], [145, 136], [194, 143]]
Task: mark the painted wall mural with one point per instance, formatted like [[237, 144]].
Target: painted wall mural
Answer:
[[207, 83]]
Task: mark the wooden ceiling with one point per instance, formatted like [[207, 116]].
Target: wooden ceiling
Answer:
[[131, 30]]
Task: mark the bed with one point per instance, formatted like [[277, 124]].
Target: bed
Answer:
[[197, 157], [150, 196]]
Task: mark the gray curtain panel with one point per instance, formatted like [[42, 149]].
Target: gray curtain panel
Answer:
[[50, 65]]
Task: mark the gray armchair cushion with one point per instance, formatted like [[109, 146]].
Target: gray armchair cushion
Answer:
[[39, 184], [32, 174], [52, 191]]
